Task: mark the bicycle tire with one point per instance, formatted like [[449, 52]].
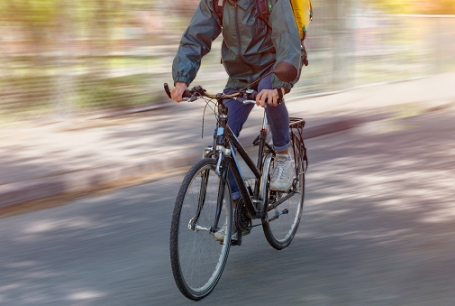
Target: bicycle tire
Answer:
[[197, 259], [280, 231]]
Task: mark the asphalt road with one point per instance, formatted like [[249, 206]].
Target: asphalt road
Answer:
[[377, 229]]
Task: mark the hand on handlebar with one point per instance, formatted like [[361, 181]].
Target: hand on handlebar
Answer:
[[178, 90], [269, 96]]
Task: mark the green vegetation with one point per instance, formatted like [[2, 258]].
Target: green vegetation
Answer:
[[95, 93], [71, 56], [436, 7]]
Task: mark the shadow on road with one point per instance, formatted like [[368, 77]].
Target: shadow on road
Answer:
[[377, 229]]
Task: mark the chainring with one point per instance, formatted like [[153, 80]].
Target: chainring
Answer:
[[242, 222]]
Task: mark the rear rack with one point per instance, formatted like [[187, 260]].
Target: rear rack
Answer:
[[296, 126], [295, 122]]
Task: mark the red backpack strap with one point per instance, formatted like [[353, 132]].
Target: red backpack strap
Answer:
[[263, 10], [218, 7]]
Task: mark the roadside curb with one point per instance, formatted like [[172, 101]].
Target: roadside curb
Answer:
[[20, 192]]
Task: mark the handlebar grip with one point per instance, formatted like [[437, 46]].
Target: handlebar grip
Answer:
[[186, 93], [280, 96], [166, 89]]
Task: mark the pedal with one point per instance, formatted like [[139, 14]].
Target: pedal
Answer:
[[284, 212]]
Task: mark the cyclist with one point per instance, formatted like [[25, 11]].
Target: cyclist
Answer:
[[251, 47]]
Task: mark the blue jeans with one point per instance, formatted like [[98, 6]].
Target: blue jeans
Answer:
[[277, 116]]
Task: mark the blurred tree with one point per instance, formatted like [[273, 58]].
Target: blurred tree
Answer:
[[437, 7], [415, 6], [183, 8], [36, 20], [40, 20]]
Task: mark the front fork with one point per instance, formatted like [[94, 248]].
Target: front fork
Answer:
[[221, 190], [221, 169], [193, 223]]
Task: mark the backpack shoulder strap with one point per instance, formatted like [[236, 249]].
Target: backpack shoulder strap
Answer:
[[218, 8], [264, 7]]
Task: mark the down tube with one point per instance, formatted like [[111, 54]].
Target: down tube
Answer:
[[235, 142], [235, 168]]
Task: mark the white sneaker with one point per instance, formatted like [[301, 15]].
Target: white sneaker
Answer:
[[219, 235], [282, 175]]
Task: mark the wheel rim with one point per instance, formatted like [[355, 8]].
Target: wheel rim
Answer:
[[284, 227]]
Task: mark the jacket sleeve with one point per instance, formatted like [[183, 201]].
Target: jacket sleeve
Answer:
[[196, 42], [285, 38]]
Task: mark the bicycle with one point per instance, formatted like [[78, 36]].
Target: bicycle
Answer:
[[204, 201]]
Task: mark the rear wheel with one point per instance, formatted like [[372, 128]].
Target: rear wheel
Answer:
[[197, 259], [281, 223]]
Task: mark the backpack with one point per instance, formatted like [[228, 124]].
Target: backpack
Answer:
[[303, 12]]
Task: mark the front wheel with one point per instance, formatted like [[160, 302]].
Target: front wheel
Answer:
[[197, 259], [280, 223]]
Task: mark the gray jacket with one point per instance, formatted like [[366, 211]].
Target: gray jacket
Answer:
[[249, 48]]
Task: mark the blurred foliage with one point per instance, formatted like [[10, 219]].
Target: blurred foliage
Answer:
[[64, 56], [439, 7], [122, 91]]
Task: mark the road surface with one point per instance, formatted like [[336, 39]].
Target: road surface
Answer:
[[377, 229]]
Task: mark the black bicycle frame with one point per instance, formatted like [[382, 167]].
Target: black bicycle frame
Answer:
[[227, 144], [226, 138]]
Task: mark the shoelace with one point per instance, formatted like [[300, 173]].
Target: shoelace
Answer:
[[279, 169]]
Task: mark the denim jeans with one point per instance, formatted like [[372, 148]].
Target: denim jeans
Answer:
[[277, 116]]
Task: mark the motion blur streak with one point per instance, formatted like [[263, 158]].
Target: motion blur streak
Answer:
[[63, 57]]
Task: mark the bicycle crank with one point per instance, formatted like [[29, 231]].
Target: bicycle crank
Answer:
[[277, 215], [193, 226]]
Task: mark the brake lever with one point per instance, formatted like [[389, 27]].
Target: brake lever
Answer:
[[249, 102], [240, 99], [280, 96], [193, 97], [166, 89]]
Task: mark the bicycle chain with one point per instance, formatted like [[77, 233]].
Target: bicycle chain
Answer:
[[241, 220]]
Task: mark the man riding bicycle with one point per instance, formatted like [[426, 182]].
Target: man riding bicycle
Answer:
[[250, 49]]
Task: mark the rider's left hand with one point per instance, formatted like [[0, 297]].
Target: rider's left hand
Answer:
[[268, 96]]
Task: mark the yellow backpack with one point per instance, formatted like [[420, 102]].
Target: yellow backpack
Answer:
[[303, 12]]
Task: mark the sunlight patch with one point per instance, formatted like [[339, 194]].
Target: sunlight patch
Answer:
[[23, 264], [86, 295], [11, 287], [395, 205], [339, 212], [71, 223], [324, 200], [440, 215]]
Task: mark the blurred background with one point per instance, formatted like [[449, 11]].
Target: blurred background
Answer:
[[63, 58], [379, 218]]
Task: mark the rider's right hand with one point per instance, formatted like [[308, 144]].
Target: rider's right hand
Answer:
[[177, 92]]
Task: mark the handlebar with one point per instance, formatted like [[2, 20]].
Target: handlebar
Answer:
[[243, 96]]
